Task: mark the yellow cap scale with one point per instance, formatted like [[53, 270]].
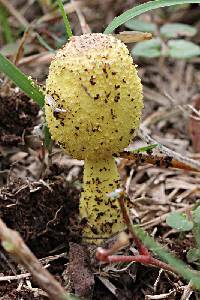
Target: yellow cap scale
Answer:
[[93, 107]]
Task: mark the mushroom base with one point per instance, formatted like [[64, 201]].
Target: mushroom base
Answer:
[[98, 209]]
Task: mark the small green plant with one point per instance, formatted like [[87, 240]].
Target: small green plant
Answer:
[[184, 223], [7, 33], [167, 44]]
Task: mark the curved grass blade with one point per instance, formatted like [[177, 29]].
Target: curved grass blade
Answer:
[[47, 138], [65, 19], [140, 9], [44, 43], [5, 25], [30, 88]]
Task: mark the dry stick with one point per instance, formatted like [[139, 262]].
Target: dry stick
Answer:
[[159, 161], [12, 242], [188, 290], [16, 277], [41, 58], [84, 25], [160, 219], [69, 8], [20, 50], [144, 257], [195, 165], [14, 12]]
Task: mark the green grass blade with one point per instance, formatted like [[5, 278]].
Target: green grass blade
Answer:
[[30, 88], [47, 137], [44, 43], [144, 149], [5, 25], [65, 19], [140, 9]]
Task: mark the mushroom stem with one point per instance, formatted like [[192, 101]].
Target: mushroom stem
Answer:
[[97, 207]]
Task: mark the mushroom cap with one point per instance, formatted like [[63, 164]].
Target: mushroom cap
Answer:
[[93, 97]]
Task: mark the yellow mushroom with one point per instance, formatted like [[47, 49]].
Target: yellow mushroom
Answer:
[[93, 107]]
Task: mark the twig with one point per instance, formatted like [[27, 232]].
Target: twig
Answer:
[[13, 11], [15, 277], [159, 161], [157, 280], [188, 290], [161, 296], [12, 242], [195, 165], [162, 218], [84, 25], [20, 50], [18, 276], [41, 58], [69, 8]]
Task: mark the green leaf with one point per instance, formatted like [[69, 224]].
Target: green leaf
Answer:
[[179, 222], [139, 25], [47, 137], [5, 25], [193, 255], [8, 246], [196, 215], [65, 19], [183, 49], [70, 297], [144, 149], [196, 233], [44, 43], [30, 88], [151, 48], [140, 9], [196, 228], [177, 29]]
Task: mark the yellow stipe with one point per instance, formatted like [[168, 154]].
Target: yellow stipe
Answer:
[[93, 108]]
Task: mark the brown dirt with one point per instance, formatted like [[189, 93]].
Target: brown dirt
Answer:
[[43, 214], [18, 116]]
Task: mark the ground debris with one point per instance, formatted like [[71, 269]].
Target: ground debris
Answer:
[[80, 272], [42, 213], [18, 116]]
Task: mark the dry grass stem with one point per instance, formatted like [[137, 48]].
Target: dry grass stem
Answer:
[[162, 218], [69, 8], [84, 25], [15, 13], [192, 164], [188, 290], [159, 161]]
